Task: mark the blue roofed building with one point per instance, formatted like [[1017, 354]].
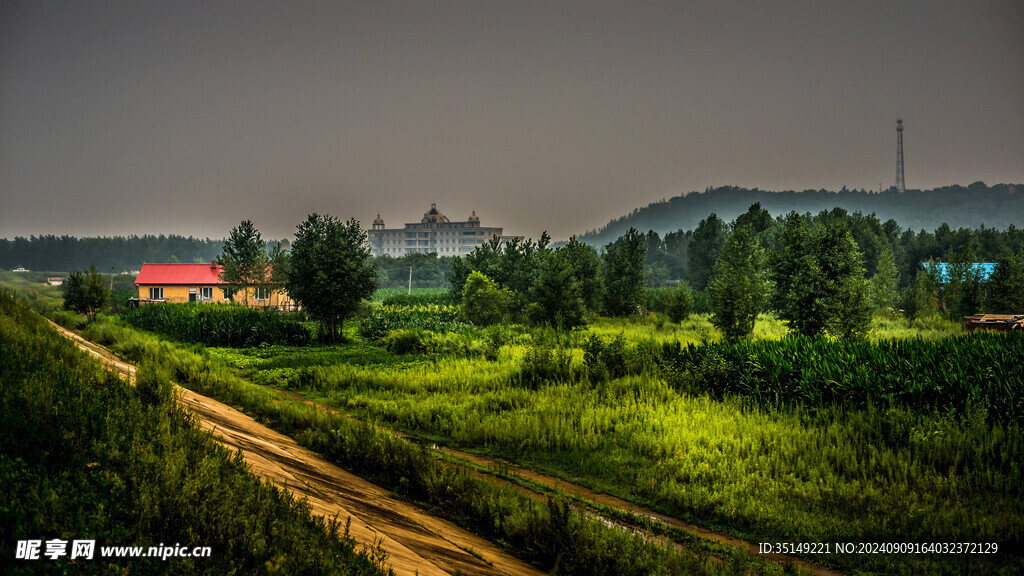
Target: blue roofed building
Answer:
[[983, 270]]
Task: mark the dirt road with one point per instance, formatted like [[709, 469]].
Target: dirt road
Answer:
[[415, 541]]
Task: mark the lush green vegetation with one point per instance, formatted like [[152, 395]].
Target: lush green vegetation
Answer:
[[422, 297], [85, 455], [218, 324], [970, 374], [702, 439], [872, 427], [551, 535], [388, 318]]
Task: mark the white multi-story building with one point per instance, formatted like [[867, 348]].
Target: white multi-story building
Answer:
[[434, 233]]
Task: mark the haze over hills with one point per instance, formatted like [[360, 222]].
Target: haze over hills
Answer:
[[971, 206]]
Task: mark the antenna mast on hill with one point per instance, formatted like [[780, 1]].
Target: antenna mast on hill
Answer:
[[901, 183]]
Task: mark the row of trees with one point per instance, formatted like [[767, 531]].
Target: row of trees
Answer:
[[118, 253], [328, 270], [691, 254], [534, 282], [814, 277]]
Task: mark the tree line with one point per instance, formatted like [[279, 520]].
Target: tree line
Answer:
[[691, 254], [998, 206], [825, 274], [120, 253]]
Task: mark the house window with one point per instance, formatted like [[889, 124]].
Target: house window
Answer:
[[206, 294], [156, 293], [262, 293]]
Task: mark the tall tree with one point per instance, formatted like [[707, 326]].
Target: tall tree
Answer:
[[1006, 285], [885, 281], [786, 263], [737, 286], [244, 260], [555, 296], [86, 293], [330, 270], [961, 289], [919, 300], [705, 246], [844, 291], [586, 268], [819, 280], [623, 273]]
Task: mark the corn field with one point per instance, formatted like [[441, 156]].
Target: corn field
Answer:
[[433, 317], [964, 373], [218, 324]]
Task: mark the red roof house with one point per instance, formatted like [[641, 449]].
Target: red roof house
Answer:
[[197, 283]]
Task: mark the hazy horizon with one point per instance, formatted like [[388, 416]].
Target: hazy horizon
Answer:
[[188, 117]]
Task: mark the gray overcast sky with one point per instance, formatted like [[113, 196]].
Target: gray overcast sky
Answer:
[[188, 117]]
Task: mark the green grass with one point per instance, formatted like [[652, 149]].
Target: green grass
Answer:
[[885, 327], [83, 455], [790, 474], [552, 535]]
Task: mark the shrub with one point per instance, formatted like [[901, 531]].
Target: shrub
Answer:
[[542, 365], [483, 301], [676, 303], [404, 341]]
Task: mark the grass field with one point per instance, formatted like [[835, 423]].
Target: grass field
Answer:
[[792, 474], [601, 406], [550, 535]]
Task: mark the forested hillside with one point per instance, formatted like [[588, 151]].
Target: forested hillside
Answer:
[[996, 206]]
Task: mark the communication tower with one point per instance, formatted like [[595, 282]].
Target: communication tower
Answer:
[[901, 183]]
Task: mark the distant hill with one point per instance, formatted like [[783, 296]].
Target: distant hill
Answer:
[[959, 206]]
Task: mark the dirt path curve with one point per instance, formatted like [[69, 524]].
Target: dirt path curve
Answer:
[[513, 469], [415, 541]]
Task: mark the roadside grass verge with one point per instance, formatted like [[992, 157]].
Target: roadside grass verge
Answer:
[[84, 455]]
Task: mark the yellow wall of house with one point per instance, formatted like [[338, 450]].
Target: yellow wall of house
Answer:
[[277, 298], [179, 294]]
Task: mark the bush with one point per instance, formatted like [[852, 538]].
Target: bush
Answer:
[[404, 342], [676, 303], [153, 384], [483, 301], [542, 365]]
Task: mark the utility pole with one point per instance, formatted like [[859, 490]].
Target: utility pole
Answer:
[[410, 281]]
